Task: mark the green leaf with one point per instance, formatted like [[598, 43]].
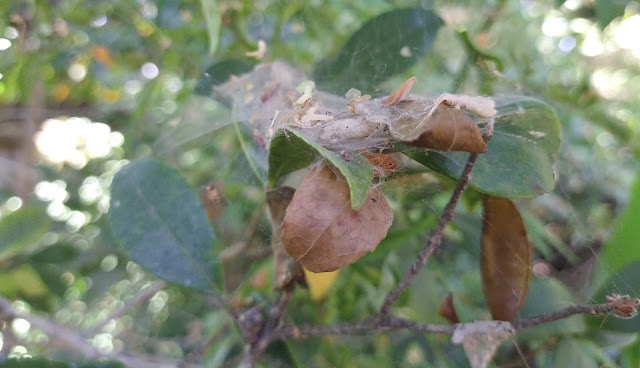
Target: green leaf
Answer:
[[519, 158], [384, 46], [57, 253], [159, 221], [624, 282], [544, 240], [573, 353], [608, 10], [549, 295], [21, 229], [213, 21], [290, 151], [22, 281], [622, 248], [254, 153], [631, 354]]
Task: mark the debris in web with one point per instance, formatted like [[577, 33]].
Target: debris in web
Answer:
[[481, 339], [275, 96]]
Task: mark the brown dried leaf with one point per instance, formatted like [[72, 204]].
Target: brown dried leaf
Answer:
[[383, 165], [506, 258], [448, 311], [323, 232], [212, 200], [451, 130], [399, 93]]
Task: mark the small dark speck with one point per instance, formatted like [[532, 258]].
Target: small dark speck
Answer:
[[373, 199]]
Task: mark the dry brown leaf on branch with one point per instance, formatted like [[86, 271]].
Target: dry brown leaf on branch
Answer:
[[506, 258], [399, 94], [323, 232], [450, 129], [383, 164], [448, 311]]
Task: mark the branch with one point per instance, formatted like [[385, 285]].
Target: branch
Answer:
[[372, 324], [74, 342], [436, 235], [147, 293], [594, 309], [266, 334]]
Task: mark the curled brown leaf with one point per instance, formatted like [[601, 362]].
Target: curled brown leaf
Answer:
[[323, 232], [506, 258], [451, 129], [399, 94], [448, 311]]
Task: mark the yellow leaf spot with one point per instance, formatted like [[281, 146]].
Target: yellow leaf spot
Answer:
[[320, 283]]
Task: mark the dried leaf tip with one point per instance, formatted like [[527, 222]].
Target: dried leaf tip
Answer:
[[400, 93]]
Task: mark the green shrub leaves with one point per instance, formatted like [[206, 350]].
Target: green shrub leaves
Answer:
[[374, 54], [161, 224]]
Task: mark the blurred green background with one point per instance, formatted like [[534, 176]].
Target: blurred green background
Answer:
[[87, 85]]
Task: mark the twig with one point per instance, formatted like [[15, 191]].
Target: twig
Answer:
[[436, 235], [267, 334], [74, 342], [147, 293], [520, 353], [372, 324], [594, 309]]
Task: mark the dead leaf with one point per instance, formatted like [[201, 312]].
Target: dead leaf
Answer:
[[451, 129], [448, 311], [399, 94], [481, 339], [323, 232], [506, 258], [285, 269], [212, 200], [383, 165]]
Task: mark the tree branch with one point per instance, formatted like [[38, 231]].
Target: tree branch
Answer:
[[372, 324], [74, 342], [145, 294], [266, 335]]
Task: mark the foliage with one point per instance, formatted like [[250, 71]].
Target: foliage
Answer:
[[107, 205]]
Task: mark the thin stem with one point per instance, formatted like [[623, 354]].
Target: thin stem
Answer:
[[126, 307], [595, 309]]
